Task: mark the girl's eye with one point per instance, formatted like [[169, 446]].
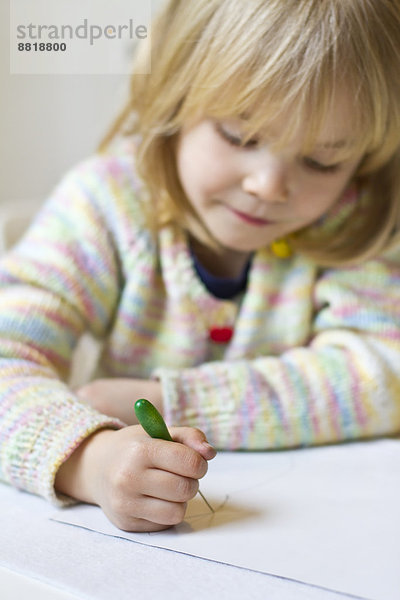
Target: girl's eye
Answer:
[[314, 165], [235, 140]]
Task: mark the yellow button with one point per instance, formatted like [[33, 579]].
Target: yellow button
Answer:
[[281, 248]]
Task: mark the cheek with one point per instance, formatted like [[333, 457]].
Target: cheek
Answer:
[[202, 172], [186, 168], [313, 207], [190, 170], [318, 197]]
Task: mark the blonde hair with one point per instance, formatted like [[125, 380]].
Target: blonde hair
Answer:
[[223, 58]]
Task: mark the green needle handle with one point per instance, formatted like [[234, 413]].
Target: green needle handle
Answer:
[[153, 424], [151, 420]]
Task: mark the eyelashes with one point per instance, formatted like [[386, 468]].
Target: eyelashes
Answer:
[[314, 165], [251, 144], [234, 140]]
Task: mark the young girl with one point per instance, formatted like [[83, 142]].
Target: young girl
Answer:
[[233, 245]]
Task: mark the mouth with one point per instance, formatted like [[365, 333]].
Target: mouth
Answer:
[[252, 220]]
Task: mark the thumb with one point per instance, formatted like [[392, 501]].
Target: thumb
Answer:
[[194, 438]]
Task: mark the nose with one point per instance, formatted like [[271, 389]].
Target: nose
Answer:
[[266, 179]]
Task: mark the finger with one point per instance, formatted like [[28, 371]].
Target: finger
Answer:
[[194, 438], [133, 524], [175, 458], [168, 486], [141, 525], [162, 512]]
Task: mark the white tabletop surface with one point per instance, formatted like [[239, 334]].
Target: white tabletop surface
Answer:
[[43, 559]]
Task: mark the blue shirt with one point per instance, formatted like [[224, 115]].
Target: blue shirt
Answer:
[[222, 287]]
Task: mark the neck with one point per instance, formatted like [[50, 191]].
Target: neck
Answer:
[[229, 263]]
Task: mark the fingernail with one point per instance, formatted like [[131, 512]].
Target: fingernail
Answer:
[[208, 446]]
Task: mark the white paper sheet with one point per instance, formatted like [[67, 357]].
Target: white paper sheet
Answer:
[[327, 516]]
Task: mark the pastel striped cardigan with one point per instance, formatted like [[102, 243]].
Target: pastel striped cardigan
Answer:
[[315, 355]]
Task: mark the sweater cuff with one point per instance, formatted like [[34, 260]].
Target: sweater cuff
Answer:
[[48, 441], [194, 397]]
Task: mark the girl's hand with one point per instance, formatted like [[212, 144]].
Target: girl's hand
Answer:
[[116, 397], [142, 484]]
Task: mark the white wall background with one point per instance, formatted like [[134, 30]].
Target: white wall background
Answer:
[[48, 123]]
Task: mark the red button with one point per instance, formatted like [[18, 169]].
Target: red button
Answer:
[[221, 335]]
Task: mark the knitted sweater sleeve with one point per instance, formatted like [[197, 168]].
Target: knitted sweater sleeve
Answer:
[[59, 281], [344, 384]]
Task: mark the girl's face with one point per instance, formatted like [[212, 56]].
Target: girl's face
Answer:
[[248, 196]]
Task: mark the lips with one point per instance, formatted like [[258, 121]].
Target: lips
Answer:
[[250, 219]]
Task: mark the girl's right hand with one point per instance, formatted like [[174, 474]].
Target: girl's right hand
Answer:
[[142, 484]]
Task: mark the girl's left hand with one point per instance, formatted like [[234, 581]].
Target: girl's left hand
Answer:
[[116, 397]]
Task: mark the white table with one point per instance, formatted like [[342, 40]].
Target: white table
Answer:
[[43, 559]]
